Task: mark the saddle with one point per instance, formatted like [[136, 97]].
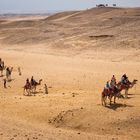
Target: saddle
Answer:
[[108, 92], [33, 83], [28, 85]]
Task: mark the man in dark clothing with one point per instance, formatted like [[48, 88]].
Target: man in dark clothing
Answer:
[[33, 82], [124, 79]]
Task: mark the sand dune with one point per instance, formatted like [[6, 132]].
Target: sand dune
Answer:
[[75, 53]]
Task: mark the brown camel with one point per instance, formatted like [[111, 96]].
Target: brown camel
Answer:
[[27, 88], [34, 84], [127, 86], [110, 94]]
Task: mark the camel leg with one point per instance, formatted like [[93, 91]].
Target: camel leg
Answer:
[[126, 93], [114, 99], [102, 100], [105, 100], [110, 97], [29, 92], [34, 90], [7, 77], [24, 91]]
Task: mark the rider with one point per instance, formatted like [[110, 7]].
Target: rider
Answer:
[[113, 79], [113, 82], [33, 81], [27, 81], [107, 86], [124, 79]]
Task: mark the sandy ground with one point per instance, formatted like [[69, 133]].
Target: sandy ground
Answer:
[[75, 86], [72, 110]]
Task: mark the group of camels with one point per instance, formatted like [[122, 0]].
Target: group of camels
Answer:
[[29, 89], [116, 92], [30, 86]]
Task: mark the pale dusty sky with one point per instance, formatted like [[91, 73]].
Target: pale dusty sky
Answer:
[[20, 6]]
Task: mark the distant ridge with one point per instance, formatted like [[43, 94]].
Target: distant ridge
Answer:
[[118, 27]]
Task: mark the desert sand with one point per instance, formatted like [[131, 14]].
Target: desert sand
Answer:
[[75, 53]]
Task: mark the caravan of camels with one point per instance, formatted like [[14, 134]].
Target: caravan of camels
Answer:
[[111, 89]]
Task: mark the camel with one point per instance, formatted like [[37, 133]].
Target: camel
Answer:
[[27, 88], [110, 94], [127, 86], [31, 87], [34, 85]]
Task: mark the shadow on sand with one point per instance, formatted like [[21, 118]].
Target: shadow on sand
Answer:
[[129, 97], [117, 105], [134, 94], [10, 80], [33, 93]]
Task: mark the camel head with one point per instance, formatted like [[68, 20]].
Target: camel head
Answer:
[[134, 81], [40, 81]]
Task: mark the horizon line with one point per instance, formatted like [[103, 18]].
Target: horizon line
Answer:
[[56, 11]]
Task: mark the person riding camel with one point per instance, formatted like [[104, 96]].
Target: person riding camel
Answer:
[[113, 79], [107, 86], [113, 82], [124, 79], [27, 82], [33, 82]]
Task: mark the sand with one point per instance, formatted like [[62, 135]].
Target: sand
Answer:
[[75, 77]]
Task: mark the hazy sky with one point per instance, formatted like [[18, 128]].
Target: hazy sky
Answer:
[[57, 5]]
